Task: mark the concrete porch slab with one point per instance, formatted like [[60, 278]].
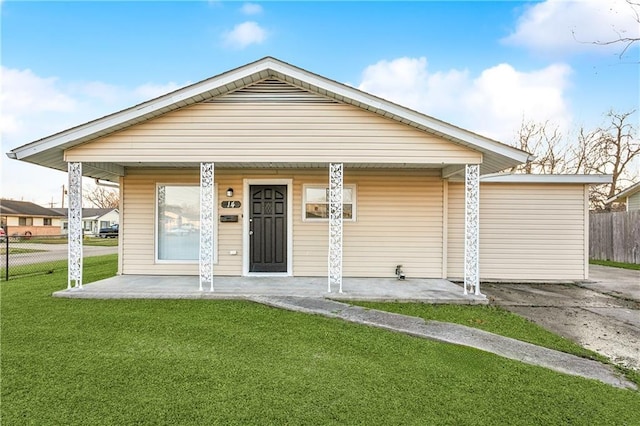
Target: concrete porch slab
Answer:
[[186, 287]]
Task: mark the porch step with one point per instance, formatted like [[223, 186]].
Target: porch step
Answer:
[[452, 333]]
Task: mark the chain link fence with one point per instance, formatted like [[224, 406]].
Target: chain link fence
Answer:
[[33, 255]]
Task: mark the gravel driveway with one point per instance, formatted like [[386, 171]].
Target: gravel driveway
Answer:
[[602, 315]]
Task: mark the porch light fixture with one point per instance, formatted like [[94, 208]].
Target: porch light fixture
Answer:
[[230, 192]]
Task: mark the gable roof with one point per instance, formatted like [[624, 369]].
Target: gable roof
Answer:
[[87, 213], [49, 151], [25, 208], [633, 189]]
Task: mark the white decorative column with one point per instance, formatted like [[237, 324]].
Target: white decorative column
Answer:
[[206, 224], [335, 225], [472, 229], [75, 226]]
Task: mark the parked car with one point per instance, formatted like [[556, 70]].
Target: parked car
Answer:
[[109, 232]]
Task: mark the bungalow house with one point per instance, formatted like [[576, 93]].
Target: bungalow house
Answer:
[[269, 169], [629, 196], [28, 219], [93, 219]]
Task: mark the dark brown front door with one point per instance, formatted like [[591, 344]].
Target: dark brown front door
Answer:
[[268, 228]]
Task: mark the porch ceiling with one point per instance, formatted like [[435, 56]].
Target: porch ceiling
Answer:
[[112, 171]]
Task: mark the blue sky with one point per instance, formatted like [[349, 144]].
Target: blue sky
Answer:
[[480, 65]]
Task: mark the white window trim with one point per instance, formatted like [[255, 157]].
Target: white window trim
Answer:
[[215, 226], [353, 203]]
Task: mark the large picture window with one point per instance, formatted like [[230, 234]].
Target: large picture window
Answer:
[[316, 202], [178, 232]]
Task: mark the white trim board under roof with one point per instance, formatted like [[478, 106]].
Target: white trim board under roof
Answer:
[[625, 193], [49, 151], [546, 179]]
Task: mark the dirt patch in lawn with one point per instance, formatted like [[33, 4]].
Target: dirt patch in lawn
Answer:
[[599, 322]]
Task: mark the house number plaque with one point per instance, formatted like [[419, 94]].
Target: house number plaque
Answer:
[[231, 204]]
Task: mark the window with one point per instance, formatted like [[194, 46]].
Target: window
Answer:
[[178, 219], [25, 221], [86, 225], [316, 202], [65, 225], [47, 221], [104, 224]]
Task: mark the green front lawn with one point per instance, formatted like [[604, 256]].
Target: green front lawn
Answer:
[[73, 361], [493, 319]]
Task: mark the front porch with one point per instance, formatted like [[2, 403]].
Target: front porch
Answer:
[[186, 287]]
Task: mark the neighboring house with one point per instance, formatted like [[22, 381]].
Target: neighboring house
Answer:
[[26, 218], [629, 196], [93, 219], [243, 174]]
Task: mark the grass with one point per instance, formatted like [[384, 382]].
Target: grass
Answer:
[[489, 318], [87, 241], [44, 268], [124, 362], [613, 264], [3, 251]]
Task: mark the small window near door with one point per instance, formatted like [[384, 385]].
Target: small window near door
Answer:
[[316, 203]]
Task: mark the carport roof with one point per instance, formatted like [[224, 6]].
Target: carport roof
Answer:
[[49, 151]]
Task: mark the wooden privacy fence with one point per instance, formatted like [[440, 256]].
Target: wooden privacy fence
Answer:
[[615, 236]]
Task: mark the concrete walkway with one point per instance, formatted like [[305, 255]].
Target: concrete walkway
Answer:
[[617, 282], [453, 333]]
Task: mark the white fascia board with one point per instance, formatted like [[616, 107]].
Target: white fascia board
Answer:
[[532, 178], [626, 193]]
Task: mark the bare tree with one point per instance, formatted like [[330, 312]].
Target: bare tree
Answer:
[[101, 197], [623, 39], [544, 140], [610, 149], [617, 146]]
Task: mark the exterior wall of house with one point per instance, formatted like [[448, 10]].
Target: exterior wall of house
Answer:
[[37, 226], [266, 132], [398, 221], [633, 202], [527, 231]]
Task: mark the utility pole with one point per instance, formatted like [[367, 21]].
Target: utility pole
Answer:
[[64, 192]]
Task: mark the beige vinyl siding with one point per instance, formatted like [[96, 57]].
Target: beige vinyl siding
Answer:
[[527, 231], [399, 221], [272, 132], [633, 202]]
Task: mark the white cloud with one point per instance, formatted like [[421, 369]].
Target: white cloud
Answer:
[[493, 103], [560, 26], [244, 34], [251, 9], [35, 106]]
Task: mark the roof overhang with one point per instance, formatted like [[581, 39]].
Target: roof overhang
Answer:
[[633, 189], [548, 179], [49, 151]]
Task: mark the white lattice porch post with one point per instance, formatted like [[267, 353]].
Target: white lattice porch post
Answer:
[[472, 229], [206, 224], [75, 225], [335, 225]]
